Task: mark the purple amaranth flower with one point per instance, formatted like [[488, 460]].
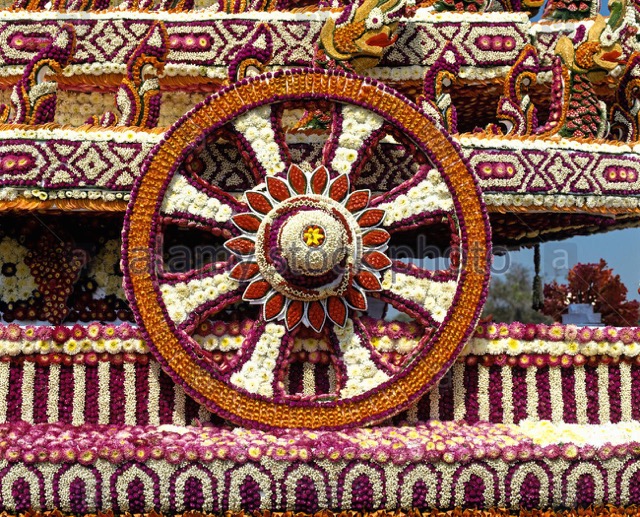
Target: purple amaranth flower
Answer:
[[585, 335], [517, 330]]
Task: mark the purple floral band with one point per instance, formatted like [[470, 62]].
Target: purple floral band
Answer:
[[192, 44], [506, 169], [130, 388], [168, 469]]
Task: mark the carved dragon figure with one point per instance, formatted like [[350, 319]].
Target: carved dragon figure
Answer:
[[624, 116], [578, 112], [138, 96], [357, 39], [34, 97], [435, 100]]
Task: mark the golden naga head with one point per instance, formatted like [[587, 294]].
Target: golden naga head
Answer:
[[601, 52], [362, 32]]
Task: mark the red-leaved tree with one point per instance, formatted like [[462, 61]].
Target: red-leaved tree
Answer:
[[594, 284]]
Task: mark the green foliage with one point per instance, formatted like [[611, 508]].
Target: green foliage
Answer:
[[510, 298]]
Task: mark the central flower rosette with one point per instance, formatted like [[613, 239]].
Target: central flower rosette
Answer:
[[309, 249]]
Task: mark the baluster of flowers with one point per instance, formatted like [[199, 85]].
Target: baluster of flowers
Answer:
[[80, 5], [29, 5], [243, 6], [176, 5], [34, 97]]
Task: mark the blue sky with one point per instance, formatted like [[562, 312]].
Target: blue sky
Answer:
[[620, 248]]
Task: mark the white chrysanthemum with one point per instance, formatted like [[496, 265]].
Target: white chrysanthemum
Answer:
[[103, 269], [16, 281]]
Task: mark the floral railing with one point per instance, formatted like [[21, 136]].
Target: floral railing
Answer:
[[441, 465], [524, 372], [516, 340]]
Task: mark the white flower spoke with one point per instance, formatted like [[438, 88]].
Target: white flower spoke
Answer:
[[209, 291], [424, 295], [188, 199], [416, 201], [362, 372], [354, 130], [257, 373], [261, 139]]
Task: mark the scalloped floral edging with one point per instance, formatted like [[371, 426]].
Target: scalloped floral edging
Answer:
[[130, 469]]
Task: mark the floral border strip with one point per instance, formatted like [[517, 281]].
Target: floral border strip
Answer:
[[556, 340], [175, 469], [596, 392], [294, 36], [518, 340], [510, 171], [130, 388], [121, 389], [591, 511]]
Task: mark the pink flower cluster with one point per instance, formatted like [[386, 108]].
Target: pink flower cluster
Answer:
[[434, 441], [61, 333], [556, 332]]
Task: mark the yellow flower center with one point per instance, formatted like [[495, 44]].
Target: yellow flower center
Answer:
[[313, 236]]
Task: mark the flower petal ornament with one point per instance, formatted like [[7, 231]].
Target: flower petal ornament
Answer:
[[313, 254], [308, 244]]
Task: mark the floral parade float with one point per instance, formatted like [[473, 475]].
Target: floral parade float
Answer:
[[213, 292]]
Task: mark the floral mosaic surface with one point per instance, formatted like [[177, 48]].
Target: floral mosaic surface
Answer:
[[97, 415], [105, 374], [173, 469], [517, 174]]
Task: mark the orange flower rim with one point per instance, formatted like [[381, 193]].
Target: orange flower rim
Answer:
[[309, 254]]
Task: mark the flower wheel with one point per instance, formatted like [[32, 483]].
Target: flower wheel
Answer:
[[310, 318]]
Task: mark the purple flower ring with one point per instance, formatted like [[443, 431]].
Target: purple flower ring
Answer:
[[310, 256]]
